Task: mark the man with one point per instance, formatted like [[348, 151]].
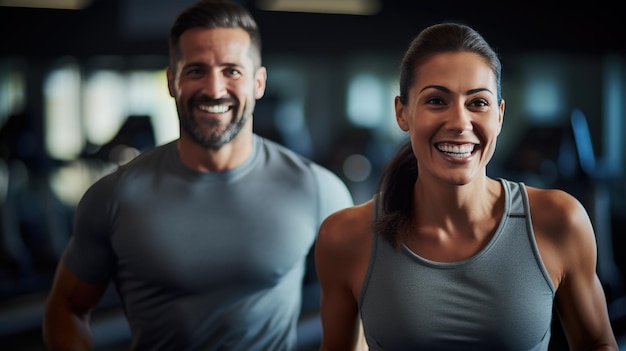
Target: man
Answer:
[[205, 237]]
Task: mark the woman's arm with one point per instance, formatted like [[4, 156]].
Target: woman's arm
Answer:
[[341, 254], [568, 247]]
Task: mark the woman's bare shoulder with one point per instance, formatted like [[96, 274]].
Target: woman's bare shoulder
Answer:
[[555, 208], [563, 232], [560, 217], [343, 246], [347, 227]]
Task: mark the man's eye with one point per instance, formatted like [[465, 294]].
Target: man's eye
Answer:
[[233, 72], [194, 72]]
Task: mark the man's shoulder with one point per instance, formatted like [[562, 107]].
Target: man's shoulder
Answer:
[[138, 164], [279, 152], [273, 146], [320, 172]]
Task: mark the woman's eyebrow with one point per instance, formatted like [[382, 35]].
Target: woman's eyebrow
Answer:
[[446, 90]]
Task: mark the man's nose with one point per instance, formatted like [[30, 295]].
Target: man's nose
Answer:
[[214, 85]]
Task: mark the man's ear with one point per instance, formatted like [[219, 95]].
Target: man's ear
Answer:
[[400, 115], [260, 78], [170, 81]]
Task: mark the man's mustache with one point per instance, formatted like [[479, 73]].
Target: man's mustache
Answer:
[[205, 100]]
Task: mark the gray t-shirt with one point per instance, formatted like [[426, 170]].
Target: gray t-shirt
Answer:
[[499, 299], [206, 261]]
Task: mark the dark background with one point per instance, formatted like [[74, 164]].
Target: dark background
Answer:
[[583, 39], [140, 27]]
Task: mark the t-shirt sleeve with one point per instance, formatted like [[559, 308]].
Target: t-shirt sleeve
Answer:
[[333, 192], [89, 254]]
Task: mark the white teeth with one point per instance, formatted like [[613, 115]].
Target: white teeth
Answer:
[[214, 108], [456, 150]]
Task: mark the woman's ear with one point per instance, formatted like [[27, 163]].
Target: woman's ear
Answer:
[[400, 114]]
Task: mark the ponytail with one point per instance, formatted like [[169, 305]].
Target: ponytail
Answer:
[[395, 192]]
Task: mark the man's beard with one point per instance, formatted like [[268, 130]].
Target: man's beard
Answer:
[[214, 140]]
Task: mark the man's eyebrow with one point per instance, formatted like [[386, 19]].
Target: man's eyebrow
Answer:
[[233, 65], [194, 65], [202, 64]]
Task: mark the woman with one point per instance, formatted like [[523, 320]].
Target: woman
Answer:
[[453, 259]]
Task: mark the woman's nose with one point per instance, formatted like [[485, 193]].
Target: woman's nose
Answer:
[[459, 119]]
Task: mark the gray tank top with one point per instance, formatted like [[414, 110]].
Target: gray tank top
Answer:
[[499, 299]]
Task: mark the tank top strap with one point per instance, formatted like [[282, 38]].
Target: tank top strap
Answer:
[[516, 195]]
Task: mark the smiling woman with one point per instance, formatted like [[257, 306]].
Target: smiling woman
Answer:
[[443, 256]]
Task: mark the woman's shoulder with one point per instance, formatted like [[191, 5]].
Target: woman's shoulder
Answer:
[[554, 206], [563, 231], [343, 246], [347, 227], [559, 217]]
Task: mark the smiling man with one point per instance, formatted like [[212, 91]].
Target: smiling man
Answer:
[[200, 259]]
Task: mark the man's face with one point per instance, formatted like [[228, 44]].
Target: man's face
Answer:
[[215, 84]]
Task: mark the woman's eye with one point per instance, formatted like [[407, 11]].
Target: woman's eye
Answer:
[[480, 103], [434, 101]]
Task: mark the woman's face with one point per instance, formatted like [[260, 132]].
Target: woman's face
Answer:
[[453, 117]]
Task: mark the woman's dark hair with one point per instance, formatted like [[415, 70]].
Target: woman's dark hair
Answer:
[[442, 38], [211, 14], [395, 188]]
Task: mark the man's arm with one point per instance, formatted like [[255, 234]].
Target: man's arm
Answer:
[[67, 312]]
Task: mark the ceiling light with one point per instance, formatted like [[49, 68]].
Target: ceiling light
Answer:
[[347, 7], [48, 4]]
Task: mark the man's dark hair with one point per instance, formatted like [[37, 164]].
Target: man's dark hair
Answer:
[[211, 14]]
